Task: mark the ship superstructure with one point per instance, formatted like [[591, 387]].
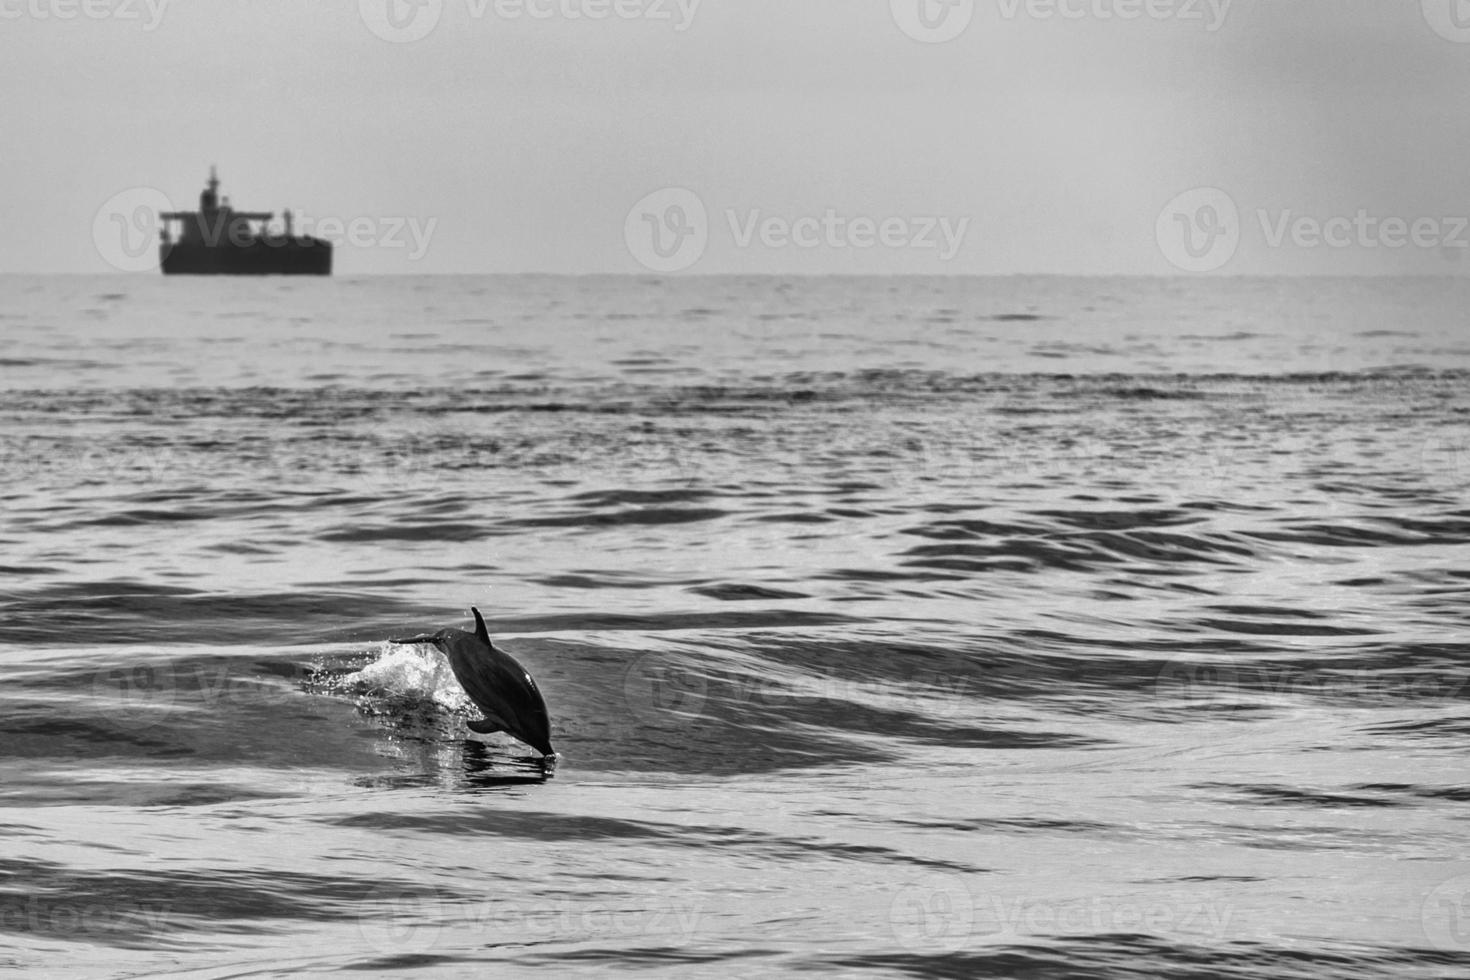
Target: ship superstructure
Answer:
[[218, 240]]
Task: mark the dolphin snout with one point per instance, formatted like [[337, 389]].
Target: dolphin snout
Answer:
[[413, 640]]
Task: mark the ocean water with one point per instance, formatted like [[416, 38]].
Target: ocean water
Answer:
[[897, 627]]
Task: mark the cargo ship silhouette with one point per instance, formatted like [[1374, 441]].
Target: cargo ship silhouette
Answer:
[[217, 240]]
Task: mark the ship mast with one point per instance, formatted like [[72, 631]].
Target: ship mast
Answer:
[[209, 197]]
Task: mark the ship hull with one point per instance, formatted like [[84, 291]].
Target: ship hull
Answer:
[[275, 256]]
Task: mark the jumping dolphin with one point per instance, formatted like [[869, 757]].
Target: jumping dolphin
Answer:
[[503, 689]]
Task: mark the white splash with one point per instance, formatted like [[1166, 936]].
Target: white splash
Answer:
[[420, 672]]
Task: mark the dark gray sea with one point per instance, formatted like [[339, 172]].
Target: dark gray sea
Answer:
[[1025, 627]]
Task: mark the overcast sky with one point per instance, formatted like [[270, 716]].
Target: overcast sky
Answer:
[[791, 136]]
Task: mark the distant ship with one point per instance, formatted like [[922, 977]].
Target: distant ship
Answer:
[[217, 240]]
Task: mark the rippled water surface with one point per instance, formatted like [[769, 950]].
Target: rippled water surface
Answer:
[[1016, 627]]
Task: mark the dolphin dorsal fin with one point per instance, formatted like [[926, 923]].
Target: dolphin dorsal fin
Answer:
[[480, 629]]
